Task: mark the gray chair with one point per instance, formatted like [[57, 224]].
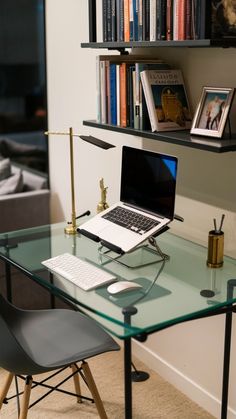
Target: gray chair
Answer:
[[37, 341]]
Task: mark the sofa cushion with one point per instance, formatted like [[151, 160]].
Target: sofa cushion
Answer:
[[12, 184], [5, 169]]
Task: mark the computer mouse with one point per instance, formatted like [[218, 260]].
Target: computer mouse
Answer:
[[123, 287]]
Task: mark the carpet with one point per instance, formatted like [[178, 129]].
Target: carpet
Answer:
[[152, 399]]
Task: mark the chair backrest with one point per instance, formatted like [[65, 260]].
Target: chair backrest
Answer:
[[13, 358]]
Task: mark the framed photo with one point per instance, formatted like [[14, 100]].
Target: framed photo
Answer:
[[212, 111]]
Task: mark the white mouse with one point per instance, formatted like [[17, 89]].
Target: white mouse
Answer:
[[122, 287]]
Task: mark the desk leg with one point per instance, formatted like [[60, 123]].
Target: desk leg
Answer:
[[128, 312], [225, 384], [227, 346], [128, 381], [8, 281]]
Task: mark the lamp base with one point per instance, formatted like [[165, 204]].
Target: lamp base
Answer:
[[70, 229]]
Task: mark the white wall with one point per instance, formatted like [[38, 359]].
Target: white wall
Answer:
[[189, 355]]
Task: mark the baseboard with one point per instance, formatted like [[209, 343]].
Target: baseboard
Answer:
[[187, 386]]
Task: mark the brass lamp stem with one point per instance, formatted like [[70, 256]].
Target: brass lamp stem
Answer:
[[71, 228]]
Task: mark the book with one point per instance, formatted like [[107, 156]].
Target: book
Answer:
[[120, 19], [113, 92], [153, 20], [202, 19], [166, 99], [135, 20], [142, 120], [146, 20], [113, 21], [123, 95], [102, 92], [104, 20], [126, 21], [169, 20], [161, 19]]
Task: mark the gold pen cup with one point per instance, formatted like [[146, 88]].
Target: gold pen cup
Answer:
[[215, 258]]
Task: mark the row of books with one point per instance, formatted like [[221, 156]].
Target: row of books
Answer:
[[135, 92], [152, 20]]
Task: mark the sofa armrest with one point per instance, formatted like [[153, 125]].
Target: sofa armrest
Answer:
[[24, 210]]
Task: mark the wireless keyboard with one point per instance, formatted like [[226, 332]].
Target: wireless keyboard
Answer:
[[80, 272]]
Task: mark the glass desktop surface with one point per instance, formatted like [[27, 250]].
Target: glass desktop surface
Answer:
[[175, 297]]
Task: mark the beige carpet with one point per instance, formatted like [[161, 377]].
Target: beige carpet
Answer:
[[152, 399]]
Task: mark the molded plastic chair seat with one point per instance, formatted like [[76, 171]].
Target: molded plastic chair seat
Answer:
[[36, 341]]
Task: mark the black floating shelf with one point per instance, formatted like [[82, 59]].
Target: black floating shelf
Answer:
[[182, 138], [198, 43]]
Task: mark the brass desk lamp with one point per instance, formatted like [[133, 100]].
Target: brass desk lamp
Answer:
[[71, 228]]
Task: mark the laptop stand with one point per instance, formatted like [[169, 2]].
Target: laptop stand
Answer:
[[141, 256]]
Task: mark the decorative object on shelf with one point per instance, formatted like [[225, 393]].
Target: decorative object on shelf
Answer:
[[212, 111], [71, 227], [166, 99], [216, 246], [223, 19], [102, 205]]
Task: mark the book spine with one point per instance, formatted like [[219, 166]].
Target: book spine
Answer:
[[146, 20], [131, 97], [104, 20], [140, 20], [153, 19], [123, 95], [113, 101], [204, 16], [175, 19], [98, 88], [103, 92], [149, 99], [108, 94], [161, 20], [136, 98], [136, 121], [131, 20], [181, 19], [135, 15], [118, 94], [188, 23], [109, 21], [121, 20], [113, 21], [126, 21], [169, 20]]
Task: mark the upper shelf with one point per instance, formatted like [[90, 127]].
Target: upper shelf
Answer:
[[198, 43], [175, 137]]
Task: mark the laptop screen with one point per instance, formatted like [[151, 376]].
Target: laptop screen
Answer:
[[148, 181]]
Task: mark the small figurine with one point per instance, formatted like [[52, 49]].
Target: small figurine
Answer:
[[102, 204]]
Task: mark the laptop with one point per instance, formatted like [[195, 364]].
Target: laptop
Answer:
[[147, 201]]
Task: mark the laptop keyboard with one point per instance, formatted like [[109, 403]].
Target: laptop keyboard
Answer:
[[131, 220]]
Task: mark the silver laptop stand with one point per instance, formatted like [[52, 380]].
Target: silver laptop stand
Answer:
[[141, 256]]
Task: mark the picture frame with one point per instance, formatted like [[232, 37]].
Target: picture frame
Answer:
[[212, 111]]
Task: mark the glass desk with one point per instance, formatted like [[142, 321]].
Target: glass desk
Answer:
[[186, 288]]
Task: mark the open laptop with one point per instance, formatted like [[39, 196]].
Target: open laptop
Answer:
[[148, 188]]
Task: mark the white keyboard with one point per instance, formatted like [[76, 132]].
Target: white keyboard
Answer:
[[82, 273]]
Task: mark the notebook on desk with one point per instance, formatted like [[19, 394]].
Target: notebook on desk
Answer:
[[147, 200]]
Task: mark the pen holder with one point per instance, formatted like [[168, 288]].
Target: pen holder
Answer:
[[215, 249]]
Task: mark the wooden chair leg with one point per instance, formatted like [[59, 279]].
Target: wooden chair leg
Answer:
[[4, 391], [76, 383], [94, 391], [26, 398]]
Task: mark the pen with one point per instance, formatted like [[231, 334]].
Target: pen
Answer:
[[221, 223], [215, 225]]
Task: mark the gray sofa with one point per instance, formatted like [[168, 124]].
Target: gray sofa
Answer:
[[28, 208]]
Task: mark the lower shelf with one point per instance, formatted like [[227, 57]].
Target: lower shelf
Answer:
[[183, 138]]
